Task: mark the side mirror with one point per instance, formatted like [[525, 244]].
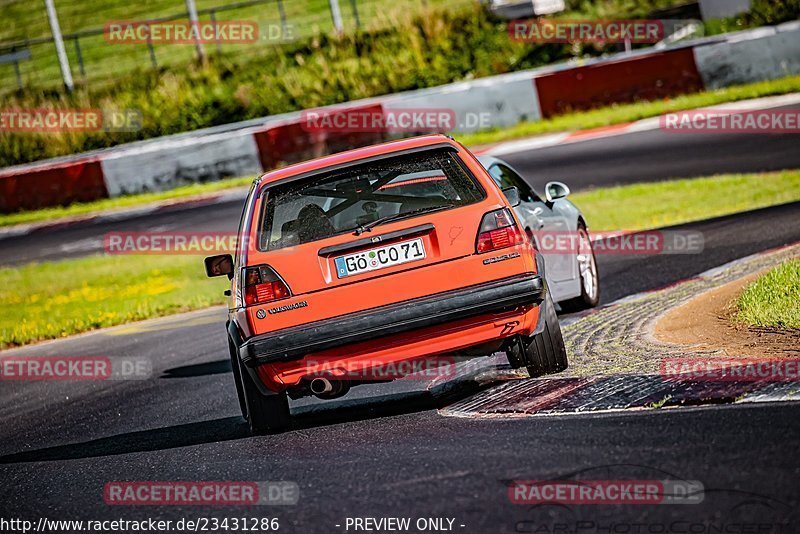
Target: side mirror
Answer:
[[219, 265], [555, 190], [512, 195]]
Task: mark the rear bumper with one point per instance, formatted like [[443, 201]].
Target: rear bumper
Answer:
[[492, 297]]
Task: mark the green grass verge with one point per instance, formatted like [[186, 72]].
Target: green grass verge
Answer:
[[45, 301], [773, 300], [654, 205], [52, 300], [128, 201], [622, 113], [103, 62]]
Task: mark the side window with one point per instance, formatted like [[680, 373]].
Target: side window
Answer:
[[506, 177]]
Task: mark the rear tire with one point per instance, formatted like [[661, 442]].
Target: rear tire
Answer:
[[237, 377], [263, 413], [543, 353]]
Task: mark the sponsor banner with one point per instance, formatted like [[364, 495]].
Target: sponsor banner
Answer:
[[763, 121], [587, 31], [200, 493], [30, 120], [74, 368], [731, 369], [604, 492], [183, 32]]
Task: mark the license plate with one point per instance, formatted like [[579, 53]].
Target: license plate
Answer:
[[379, 258]]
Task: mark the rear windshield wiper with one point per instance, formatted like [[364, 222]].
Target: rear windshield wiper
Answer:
[[397, 216]]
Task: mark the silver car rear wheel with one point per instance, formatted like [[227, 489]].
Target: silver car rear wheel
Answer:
[[587, 270], [587, 265]]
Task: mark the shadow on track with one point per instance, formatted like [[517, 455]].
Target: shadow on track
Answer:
[[232, 428], [170, 437], [217, 367]]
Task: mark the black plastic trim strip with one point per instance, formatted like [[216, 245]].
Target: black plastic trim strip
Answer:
[[299, 341]]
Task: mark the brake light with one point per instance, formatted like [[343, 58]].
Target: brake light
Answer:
[[262, 284], [498, 230]]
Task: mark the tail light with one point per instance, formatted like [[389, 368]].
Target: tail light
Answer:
[[498, 230], [262, 284]]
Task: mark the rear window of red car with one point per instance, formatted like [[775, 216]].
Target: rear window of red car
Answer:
[[340, 201]]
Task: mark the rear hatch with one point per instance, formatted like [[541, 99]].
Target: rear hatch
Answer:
[[364, 236]]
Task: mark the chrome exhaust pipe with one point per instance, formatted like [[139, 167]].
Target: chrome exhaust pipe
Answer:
[[323, 388]]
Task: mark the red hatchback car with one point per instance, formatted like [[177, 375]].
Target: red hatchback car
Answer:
[[385, 254]]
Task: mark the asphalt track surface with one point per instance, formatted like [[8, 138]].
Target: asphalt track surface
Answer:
[[385, 451]]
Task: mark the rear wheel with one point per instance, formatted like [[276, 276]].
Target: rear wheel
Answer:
[[263, 413], [587, 269], [543, 353], [237, 377]]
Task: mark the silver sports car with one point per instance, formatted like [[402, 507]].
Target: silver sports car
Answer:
[[559, 231]]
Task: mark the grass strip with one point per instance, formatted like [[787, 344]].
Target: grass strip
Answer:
[[658, 204], [773, 300], [52, 300]]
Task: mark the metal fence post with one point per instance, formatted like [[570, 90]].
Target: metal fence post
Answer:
[[80, 56], [336, 16], [19, 75], [213, 16], [151, 49], [191, 8], [354, 3], [282, 14], [61, 52]]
